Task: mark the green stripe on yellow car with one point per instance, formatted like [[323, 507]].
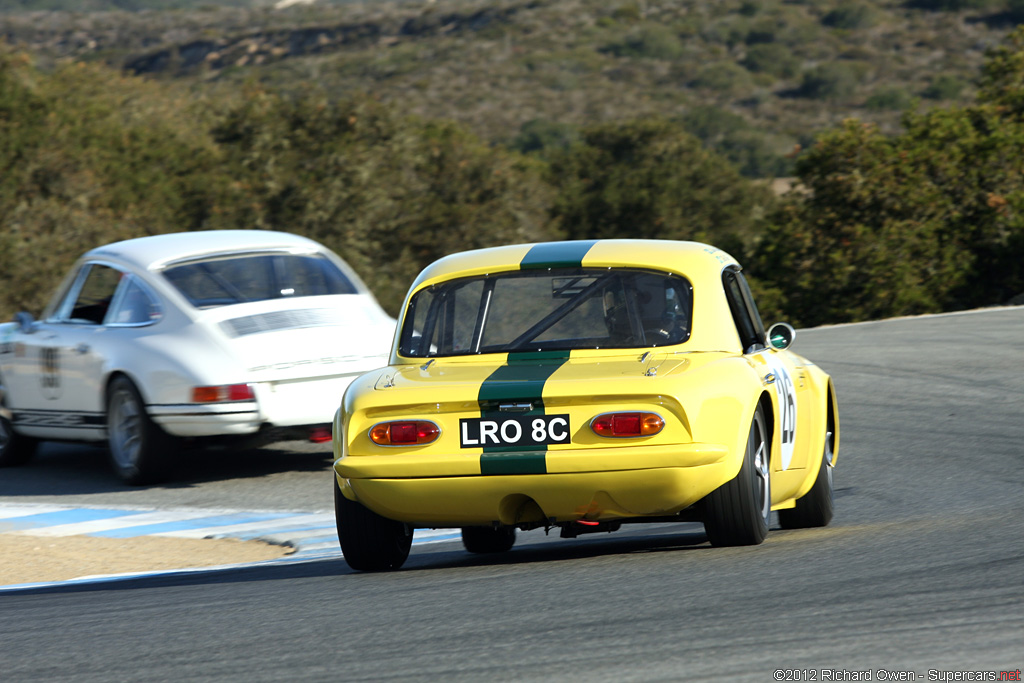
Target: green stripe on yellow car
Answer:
[[527, 462], [520, 380], [556, 255]]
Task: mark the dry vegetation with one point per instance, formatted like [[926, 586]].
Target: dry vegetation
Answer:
[[752, 78]]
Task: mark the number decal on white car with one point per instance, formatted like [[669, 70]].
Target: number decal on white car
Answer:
[[49, 378]]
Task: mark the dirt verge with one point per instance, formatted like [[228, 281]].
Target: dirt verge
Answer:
[[32, 559]]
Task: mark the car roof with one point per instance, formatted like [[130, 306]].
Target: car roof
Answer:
[[154, 251], [694, 260], [701, 264]]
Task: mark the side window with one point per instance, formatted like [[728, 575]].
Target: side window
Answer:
[[744, 312], [94, 296], [136, 306]]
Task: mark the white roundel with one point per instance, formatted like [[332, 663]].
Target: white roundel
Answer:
[[786, 393]]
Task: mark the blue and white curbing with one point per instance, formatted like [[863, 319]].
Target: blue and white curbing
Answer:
[[313, 535]]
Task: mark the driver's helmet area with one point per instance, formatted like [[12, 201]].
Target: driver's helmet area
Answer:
[[650, 299]]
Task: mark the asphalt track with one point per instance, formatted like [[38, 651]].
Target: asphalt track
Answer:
[[921, 574]]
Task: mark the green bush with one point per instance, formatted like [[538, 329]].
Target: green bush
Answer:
[[851, 14], [733, 137], [953, 5], [648, 41], [88, 157], [944, 87], [771, 58], [929, 220], [650, 179], [829, 81], [889, 99], [723, 77], [544, 137], [389, 193]]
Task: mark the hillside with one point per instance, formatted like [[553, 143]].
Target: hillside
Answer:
[[753, 79]]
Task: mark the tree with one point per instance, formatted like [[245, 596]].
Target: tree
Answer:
[[389, 193], [924, 221], [88, 156], [650, 179]]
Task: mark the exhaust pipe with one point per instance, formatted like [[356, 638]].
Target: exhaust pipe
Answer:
[[583, 526]]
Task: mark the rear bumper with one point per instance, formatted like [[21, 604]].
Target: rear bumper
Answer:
[[590, 484], [207, 420], [279, 406]]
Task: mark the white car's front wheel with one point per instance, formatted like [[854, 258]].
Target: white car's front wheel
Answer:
[[15, 449], [138, 447]]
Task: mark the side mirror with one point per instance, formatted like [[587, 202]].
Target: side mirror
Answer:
[[26, 323], [781, 335]]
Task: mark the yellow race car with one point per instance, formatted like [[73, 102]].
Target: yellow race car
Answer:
[[582, 385]]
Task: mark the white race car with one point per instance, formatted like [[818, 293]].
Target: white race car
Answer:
[[229, 333]]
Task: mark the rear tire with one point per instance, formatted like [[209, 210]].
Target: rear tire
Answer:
[[488, 539], [814, 508], [138, 447], [15, 449], [737, 512], [369, 542]]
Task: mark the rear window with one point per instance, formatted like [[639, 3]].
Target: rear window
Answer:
[[256, 277], [548, 310]]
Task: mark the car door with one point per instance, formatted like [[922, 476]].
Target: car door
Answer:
[[779, 370], [61, 392]]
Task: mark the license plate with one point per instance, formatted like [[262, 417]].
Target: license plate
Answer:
[[514, 430]]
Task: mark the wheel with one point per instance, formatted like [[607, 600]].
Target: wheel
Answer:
[[138, 447], [736, 513], [815, 507], [369, 542], [15, 449], [488, 539]]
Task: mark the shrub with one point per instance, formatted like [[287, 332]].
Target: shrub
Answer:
[[724, 77], [890, 99], [850, 15], [829, 81], [771, 58], [544, 136], [650, 179], [648, 41], [944, 87]]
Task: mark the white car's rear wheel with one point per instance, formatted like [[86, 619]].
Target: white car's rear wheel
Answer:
[[369, 542], [138, 447], [737, 512]]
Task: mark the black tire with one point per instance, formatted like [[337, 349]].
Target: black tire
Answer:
[[369, 542], [488, 539], [737, 512], [814, 508], [15, 449], [138, 447]]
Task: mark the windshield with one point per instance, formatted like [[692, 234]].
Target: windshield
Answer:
[[548, 310], [256, 277]]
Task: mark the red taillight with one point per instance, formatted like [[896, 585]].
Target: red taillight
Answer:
[[320, 434], [627, 424], [225, 392], [404, 433]]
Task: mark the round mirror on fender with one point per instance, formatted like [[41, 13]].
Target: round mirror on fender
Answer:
[[781, 335]]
